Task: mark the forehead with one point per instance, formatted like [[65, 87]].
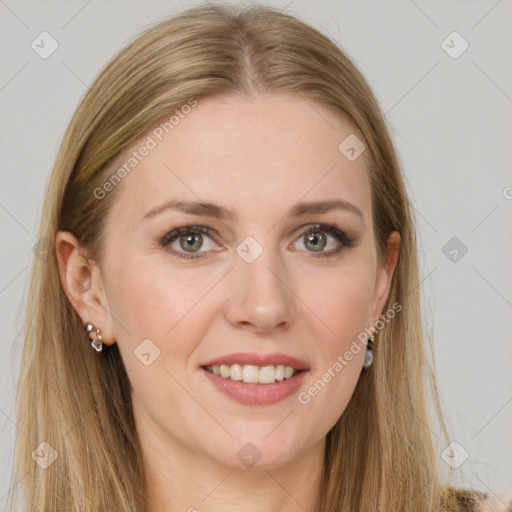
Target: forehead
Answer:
[[254, 155]]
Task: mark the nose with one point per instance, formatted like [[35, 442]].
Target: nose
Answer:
[[259, 296]]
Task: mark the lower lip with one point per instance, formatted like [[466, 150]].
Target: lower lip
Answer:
[[257, 394]]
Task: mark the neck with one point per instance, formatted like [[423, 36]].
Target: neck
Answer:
[[179, 480]]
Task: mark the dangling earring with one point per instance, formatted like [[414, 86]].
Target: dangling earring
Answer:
[[368, 356], [98, 342]]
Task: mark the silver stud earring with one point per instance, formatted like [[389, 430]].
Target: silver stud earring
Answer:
[[368, 356], [97, 342]]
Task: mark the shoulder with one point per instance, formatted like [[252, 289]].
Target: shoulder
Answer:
[[477, 501], [497, 504]]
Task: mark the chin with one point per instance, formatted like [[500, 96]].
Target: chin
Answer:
[[258, 449]]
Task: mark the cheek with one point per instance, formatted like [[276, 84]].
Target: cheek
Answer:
[[166, 306], [160, 319], [342, 302], [341, 299]]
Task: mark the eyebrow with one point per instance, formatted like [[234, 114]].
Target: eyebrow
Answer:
[[202, 208]]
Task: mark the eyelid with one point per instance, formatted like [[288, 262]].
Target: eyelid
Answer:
[[175, 233]]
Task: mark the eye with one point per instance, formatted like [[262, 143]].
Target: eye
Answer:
[[315, 240], [186, 242], [188, 239]]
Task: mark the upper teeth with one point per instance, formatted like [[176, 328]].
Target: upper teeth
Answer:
[[253, 374]]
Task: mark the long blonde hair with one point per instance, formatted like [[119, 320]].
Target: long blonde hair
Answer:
[[381, 454]]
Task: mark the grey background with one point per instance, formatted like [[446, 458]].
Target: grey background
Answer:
[[451, 123]]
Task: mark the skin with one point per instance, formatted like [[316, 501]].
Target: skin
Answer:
[[258, 156]]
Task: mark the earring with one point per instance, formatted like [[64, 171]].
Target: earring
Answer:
[[98, 342], [368, 356]]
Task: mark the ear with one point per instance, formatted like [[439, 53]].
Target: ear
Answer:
[[82, 282], [385, 276]]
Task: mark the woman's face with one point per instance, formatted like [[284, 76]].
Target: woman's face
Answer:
[[252, 284]]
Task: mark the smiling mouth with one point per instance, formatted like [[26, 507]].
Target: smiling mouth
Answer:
[[253, 374]]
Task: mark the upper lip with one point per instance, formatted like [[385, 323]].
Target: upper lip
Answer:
[[258, 360]]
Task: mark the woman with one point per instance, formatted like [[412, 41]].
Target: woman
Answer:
[[233, 237]]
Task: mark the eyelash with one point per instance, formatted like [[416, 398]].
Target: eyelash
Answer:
[[194, 229]]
